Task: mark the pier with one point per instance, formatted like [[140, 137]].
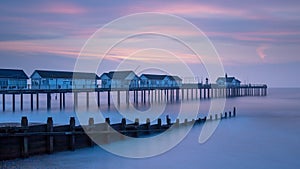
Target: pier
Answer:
[[138, 94]]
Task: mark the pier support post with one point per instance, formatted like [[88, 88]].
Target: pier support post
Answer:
[[187, 94], [144, 94], [108, 98], [72, 135], [87, 99], [200, 93], [60, 101], [21, 101], [49, 137], [98, 99], [37, 101], [177, 94], [48, 101], [118, 97], [24, 147], [149, 96], [64, 100], [75, 100], [182, 94], [3, 102], [31, 101], [13, 102], [127, 97]]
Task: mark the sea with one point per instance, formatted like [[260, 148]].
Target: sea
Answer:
[[265, 134]]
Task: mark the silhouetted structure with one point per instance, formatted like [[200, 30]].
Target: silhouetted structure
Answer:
[[119, 79], [228, 81], [13, 79], [45, 79]]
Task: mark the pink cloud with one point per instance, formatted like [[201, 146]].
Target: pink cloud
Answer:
[[61, 8], [261, 51], [198, 10]]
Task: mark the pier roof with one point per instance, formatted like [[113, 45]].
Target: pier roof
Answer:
[[154, 77], [65, 75], [119, 74], [161, 77], [13, 74]]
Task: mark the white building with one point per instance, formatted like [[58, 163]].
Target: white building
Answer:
[[152, 80], [44, 79], [228, 81], [119, 79], [12, 79]]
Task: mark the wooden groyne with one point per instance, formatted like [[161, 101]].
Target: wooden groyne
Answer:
[[137, 95], [27, 140]]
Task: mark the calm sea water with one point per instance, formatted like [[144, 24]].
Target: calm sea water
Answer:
[[265, 134]]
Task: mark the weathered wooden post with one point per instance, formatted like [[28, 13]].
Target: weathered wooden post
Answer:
[[159, 123], [148, 125], [216, 116], [229, 113], [72, 134], [91, 129], [123, 124], [24, 147], [107, 121], [177, 122], [136, 123], [225, 115], [185, 121], [221, 116], [168, 120], [210, 117], [49, 136], [107, 129], [234, 111]]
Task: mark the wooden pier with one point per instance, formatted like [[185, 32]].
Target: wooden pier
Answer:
[[26, 140], [140, 95]]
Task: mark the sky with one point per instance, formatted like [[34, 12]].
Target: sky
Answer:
[[257, 41]]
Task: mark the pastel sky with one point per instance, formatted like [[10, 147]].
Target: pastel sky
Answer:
[[257, 41]]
